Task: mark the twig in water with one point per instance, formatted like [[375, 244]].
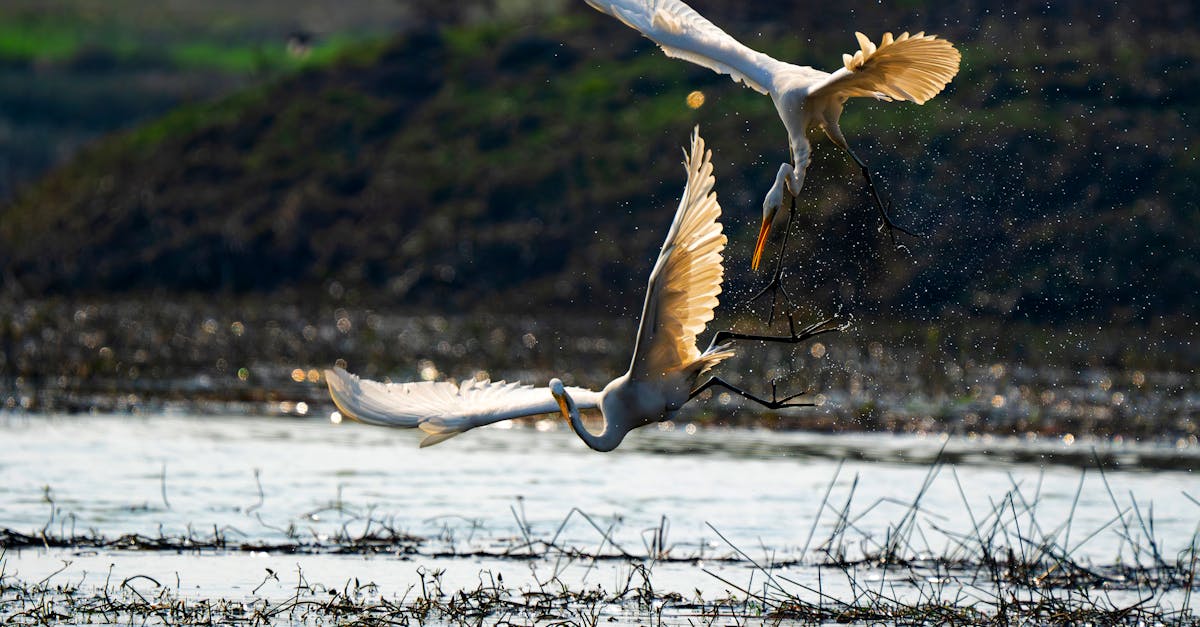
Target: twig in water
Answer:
[[1148, 530], [1191, 577], [821, 507], [163, 485], [606, 534], [904, 527], [1128, 536], [839, 526], [270, 575], [261, 496], [746, 557], [522, 525], [1074, 503], [135, 591], [47, 578], [656, 547], [48, 496]]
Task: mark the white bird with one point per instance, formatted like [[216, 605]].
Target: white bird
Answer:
[[913, 68], [666, 364]]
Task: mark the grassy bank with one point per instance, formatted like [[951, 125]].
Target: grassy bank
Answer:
[[526, 161]]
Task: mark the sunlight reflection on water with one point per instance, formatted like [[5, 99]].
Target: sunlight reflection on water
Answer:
[[200, 477], [107, 474]]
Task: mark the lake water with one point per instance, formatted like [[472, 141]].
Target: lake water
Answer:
[[720, 496]]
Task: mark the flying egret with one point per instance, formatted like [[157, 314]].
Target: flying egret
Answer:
[[908, 67], [666, 365]]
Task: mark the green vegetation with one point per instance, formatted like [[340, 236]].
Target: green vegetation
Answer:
[[506, 164], [71, 70], [39, 39]]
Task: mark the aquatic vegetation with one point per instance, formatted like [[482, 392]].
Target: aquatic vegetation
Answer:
[[1010, 562]]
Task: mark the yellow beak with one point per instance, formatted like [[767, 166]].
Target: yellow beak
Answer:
[[562, 406], [761, 243]]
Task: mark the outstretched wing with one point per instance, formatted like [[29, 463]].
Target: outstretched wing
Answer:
[[441, 409], [683, 33], [686, 279], [912, 68]]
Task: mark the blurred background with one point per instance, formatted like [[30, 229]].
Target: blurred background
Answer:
[[210, 202]]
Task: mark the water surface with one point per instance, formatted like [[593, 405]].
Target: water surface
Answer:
[[710, 495]]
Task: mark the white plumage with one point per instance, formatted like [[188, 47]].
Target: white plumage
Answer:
[[440, 408], [680, 299], [913, 68]]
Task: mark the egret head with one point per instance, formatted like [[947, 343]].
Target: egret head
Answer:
[[776, 197], [769, 213], [560, 394]]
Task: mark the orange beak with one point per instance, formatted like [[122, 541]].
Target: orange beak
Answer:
[[760, 244], [562, 406]]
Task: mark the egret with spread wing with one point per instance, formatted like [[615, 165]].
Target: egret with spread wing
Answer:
[[913, 68], [666, 364]]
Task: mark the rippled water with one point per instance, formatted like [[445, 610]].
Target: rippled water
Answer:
[[201, 476]]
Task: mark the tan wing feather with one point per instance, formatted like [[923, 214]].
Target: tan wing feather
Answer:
[[686, 280], [907, 67]]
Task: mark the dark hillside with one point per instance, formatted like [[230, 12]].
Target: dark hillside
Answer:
[[525, 164], [74, 70]]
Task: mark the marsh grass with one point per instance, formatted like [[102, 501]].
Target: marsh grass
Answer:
[[1004, 563], [1007, 567]]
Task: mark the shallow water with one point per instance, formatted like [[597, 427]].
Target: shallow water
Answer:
[[484, 491]]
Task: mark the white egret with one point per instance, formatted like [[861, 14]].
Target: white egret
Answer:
[[666, 365], [913, 68]]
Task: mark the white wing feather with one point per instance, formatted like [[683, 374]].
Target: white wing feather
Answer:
[[683, 33], [686, 279], [439, 408]]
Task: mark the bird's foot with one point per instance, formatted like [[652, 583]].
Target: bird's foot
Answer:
[[780, 403], [828, 325], [775, 287], [795, 336], [775, 402], [891, 226]]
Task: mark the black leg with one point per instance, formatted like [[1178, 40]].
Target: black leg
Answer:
[[829, 325], [883, 211], [775, 286], [774, 403]]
